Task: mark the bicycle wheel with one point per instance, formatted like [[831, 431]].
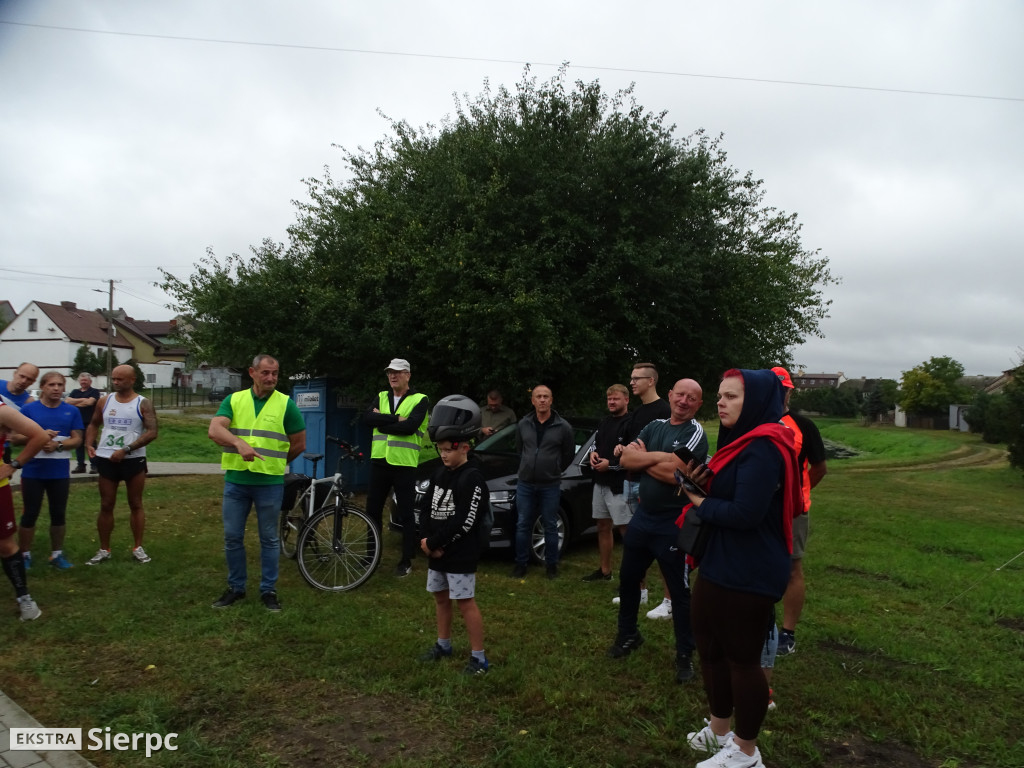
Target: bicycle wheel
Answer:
[[342, 563], [291, 524]]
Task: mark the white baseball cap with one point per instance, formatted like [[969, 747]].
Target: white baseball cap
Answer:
[[398, 364]]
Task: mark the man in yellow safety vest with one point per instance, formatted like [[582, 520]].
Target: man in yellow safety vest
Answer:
[[398, 418], [261, 430]]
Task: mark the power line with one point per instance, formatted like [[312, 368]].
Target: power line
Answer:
[[56, 277], [477, 59]]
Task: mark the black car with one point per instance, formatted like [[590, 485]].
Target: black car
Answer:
[[216, 394], [500, 463]]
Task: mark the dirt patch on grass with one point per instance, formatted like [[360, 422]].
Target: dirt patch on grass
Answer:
[[858, 751], [962, 554], [867, 575], [354, 729], [1011, 623]]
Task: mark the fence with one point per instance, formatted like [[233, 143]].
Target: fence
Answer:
[[174, 397]]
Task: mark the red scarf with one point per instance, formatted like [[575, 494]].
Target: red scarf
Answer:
[[782, 437]]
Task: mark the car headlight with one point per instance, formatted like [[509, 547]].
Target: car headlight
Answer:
[[501, 497]]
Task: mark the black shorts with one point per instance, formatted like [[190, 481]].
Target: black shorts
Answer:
[[126, 470]]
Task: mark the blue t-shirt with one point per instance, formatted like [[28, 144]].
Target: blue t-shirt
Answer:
[[15, 401], [62, 419]]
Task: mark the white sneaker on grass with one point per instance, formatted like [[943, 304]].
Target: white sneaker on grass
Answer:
[[140, 556], [663, 611], [731, 756], [705, 740], [99, 557], [643, 598], [29, 610]]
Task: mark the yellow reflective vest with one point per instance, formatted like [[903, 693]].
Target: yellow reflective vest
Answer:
[[265, 433], [402, 450]]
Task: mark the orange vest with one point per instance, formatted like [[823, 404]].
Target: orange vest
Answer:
[[805, 474]]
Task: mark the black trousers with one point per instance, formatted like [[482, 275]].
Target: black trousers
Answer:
[[384, 477]]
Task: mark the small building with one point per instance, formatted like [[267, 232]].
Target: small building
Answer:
[[802, 380]]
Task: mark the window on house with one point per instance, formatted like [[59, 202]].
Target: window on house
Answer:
[[150, 378], [33, 325]]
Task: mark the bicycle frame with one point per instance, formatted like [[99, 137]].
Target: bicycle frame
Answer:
[[338, 547]]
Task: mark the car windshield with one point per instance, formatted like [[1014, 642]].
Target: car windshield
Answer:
[[502, 441]]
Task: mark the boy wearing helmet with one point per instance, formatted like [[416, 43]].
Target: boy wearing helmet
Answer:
[[451, 539]]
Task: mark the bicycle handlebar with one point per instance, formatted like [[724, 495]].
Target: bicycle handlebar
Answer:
[[350, 451]]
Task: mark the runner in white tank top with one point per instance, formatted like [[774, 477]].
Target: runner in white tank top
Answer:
[[122, 425], [116, 438]]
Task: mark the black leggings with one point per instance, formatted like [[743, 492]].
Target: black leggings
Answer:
[[729, 628], [32, 492]]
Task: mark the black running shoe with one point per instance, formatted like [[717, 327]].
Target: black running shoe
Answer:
[[625, 645], [229, 598]]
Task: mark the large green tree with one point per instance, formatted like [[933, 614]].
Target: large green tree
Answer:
[[932, 386], [545, 233], [1014, 394]]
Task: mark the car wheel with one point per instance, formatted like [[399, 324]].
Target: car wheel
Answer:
[[537, 545]]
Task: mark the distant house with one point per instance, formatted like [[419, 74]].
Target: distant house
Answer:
[[998, 384], [803, 380], [7, 312], [50, 335]]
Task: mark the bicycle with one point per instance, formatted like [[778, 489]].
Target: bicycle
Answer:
[[338, 547]]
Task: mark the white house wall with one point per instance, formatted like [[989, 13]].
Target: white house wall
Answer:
[[46, 347]]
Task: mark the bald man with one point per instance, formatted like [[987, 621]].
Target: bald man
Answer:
[[123, 424], [651, 533]]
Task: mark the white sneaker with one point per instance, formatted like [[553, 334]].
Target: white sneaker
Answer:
[[140, 556], [731, 756], [705, 740], [643, 598], [29, 610], [99, 557], [663, 611]]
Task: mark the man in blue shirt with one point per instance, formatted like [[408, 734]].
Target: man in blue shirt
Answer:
[[48, 475]]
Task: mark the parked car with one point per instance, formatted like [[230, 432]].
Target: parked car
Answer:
[[216, 394], [500, 463]]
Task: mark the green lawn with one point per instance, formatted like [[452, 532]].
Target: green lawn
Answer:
[[910, 652]]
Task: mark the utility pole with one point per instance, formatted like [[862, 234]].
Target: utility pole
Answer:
[[110, 332]]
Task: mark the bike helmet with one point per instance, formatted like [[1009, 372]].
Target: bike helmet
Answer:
[[455, 418]]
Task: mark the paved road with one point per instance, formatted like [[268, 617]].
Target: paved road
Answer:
[[13, 716]]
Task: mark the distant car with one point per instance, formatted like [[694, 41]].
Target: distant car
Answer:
[[500, 464], [217, 394]]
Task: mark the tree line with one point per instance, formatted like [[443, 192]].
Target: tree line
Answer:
[[547, 233]]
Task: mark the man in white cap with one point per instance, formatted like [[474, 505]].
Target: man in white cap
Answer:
[[398, 418]]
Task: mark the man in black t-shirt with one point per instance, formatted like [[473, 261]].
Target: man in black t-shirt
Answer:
[[644, 381], [84, 399], [609, 502]]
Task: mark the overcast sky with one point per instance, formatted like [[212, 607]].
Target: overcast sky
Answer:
[[136, 135]]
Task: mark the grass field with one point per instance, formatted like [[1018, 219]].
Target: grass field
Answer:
[[910, 651]]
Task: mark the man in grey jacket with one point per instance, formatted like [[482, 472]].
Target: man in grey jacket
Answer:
[[545, 443]]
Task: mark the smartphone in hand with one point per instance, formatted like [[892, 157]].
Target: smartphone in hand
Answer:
[[685, 482]]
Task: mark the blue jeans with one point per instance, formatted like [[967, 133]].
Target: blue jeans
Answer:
[[632, 491], [238, 500], [531, 499]]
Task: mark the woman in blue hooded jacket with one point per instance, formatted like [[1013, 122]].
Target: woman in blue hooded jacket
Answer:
[[753, 491]]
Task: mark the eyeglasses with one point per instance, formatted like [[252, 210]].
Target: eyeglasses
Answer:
[[634, 379]]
